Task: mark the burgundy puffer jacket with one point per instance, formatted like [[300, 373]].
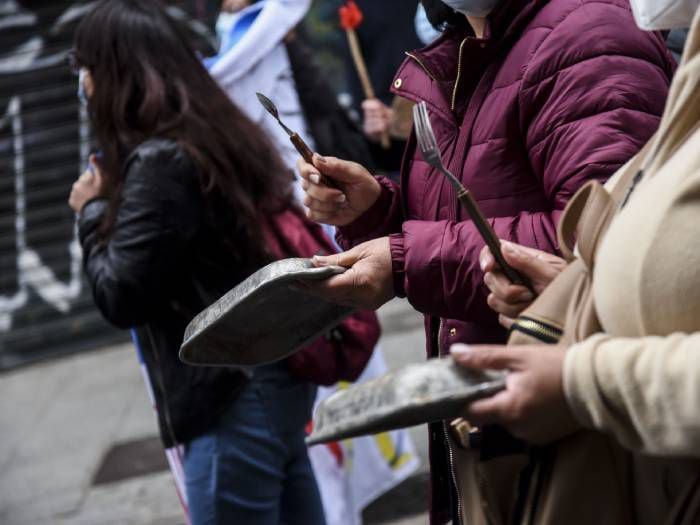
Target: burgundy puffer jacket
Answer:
[[557, 93]]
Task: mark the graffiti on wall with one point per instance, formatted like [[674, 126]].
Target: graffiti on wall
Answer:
[[44, 146], [31, 53], [32, 272]]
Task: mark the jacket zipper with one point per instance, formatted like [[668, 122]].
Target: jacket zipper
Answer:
[[459, 75], [442, 322], [453, 472], [420, 63], [543, 331], [450, 451]]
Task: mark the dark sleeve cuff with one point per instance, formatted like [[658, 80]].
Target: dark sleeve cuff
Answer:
[[398, 263], [90, 218], [370, 224]]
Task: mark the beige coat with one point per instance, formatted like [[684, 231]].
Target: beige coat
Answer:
[[640, 381]]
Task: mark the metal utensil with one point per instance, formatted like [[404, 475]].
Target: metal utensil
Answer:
[[301, 146], [298, 142], [431, 153]]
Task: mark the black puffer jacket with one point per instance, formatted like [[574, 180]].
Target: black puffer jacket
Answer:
[[164, 263]]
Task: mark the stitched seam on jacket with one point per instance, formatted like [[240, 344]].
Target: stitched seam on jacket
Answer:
[[516, 194], [557, 26], [556, 128], [586, 59], [577, 171], [490, 139]]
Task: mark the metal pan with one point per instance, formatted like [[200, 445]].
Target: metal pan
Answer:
[[263, 319], [421, 393]]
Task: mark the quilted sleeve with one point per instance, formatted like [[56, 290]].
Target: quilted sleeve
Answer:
[[586, 111]]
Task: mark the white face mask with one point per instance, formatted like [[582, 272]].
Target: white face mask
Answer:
[[425, 31], [655, 15], [479, 8]]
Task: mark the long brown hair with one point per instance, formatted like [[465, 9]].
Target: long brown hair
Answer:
[[149, 83]]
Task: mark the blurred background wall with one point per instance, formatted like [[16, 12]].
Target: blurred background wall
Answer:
[[45, 306]]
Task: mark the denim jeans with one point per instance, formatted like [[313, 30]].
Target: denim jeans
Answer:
[[253, 467]]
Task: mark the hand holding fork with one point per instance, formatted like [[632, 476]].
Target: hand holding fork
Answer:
[[431, 153]]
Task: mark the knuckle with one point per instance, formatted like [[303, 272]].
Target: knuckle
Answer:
[[320, 194], [479, 360], [511, 312], [511, 294], [493, 301]]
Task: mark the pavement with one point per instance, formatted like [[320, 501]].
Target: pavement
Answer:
[[78, 441]]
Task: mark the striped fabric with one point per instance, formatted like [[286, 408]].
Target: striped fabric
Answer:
[[174, 455]]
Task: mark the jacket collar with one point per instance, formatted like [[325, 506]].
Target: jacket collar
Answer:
[[506, 22]]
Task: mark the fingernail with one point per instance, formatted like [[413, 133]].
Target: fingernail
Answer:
[[319, 261], [321, 159], [460, 350], [482, 263], [315, 178], [525, 297], [342, 198]]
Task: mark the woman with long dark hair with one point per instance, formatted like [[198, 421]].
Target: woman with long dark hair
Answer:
[[170, 218]]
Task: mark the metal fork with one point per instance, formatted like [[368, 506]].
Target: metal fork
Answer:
[[431, 153]]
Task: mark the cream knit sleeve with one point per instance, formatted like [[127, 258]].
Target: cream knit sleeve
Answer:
[[645, 391]]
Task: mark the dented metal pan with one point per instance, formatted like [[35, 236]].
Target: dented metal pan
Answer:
[[420, 393], [263, 319]]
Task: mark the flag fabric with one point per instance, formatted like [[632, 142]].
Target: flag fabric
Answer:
[[353, 473], [174, 455]]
